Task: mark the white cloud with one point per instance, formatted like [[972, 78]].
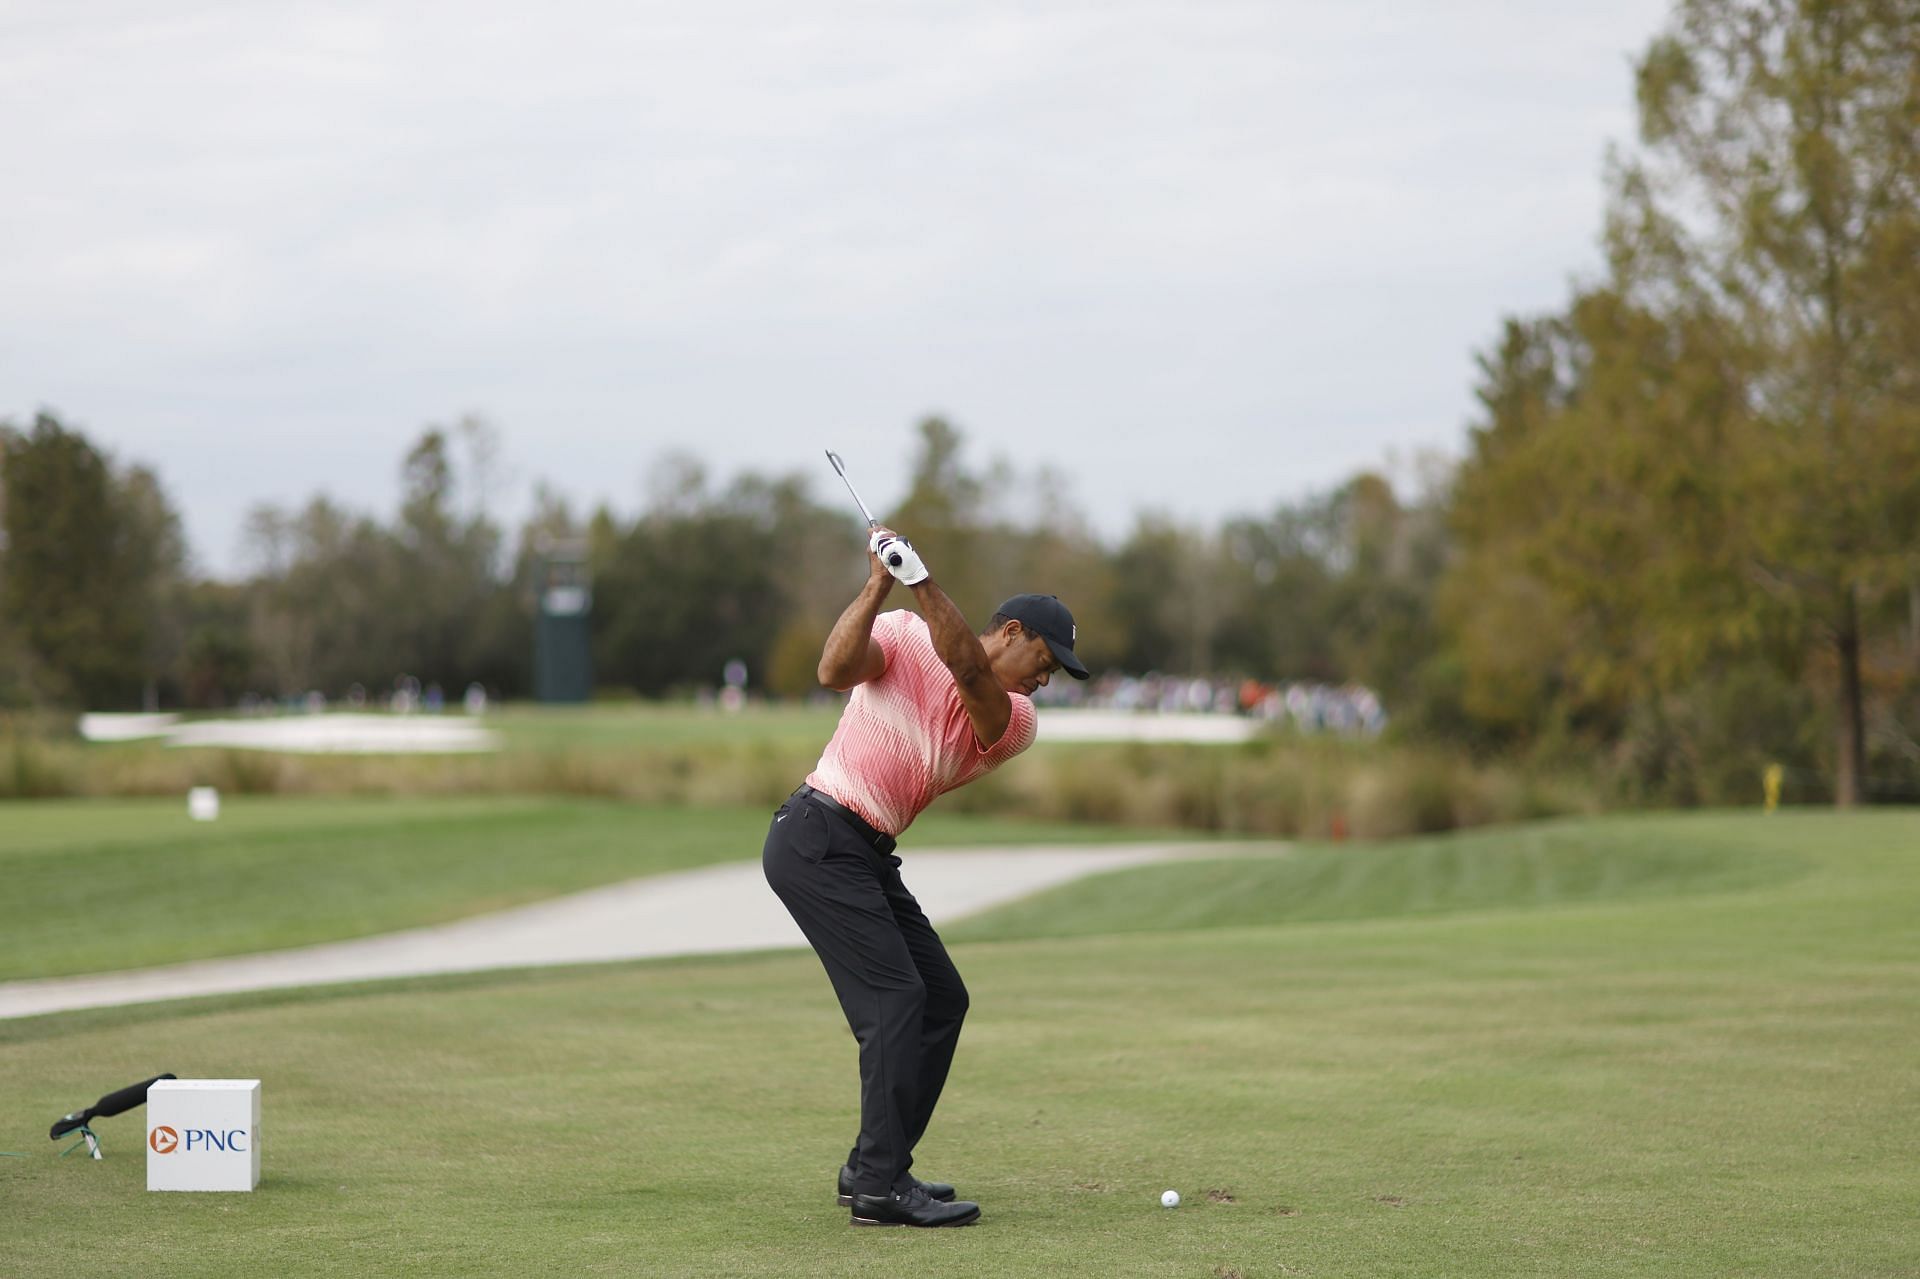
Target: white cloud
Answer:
[[1204, 254]]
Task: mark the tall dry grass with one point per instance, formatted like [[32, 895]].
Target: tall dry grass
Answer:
[[1275, 786]]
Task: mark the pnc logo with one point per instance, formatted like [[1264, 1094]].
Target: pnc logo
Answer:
[[166, 1141]]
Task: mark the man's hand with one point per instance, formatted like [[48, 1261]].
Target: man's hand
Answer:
[[898, 555]]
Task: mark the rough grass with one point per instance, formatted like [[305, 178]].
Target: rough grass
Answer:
[[1273, 785], [1718, 1082]]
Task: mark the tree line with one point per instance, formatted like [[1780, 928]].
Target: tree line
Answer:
[[1683, 542], [103, 611]]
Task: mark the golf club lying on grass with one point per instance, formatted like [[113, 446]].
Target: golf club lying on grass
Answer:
[[112, 1104]]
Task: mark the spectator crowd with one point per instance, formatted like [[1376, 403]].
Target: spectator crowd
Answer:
[[1350, 710]]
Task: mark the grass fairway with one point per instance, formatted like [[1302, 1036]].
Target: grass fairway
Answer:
[[98, 885], [1472, 1068]]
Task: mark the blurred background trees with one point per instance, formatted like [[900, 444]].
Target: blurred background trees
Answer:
[[91, 579], [1705, 474], [1683, 541]]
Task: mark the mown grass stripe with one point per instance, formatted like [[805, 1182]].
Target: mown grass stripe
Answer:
[[1632, 1084]]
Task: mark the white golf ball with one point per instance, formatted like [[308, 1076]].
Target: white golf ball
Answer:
[[1171, 1199]]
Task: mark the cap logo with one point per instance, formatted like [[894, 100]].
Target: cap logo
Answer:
[[1075, 637]]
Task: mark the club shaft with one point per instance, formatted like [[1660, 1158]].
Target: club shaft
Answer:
[[840, 469]]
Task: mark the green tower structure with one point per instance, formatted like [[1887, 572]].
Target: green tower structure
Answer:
[[562, 626]]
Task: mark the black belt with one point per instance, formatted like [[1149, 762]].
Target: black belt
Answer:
[[882, 842]]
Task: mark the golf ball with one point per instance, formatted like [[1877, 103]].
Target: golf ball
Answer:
[[1170, 1199]]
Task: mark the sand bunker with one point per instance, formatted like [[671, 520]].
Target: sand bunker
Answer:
[[303, 734]]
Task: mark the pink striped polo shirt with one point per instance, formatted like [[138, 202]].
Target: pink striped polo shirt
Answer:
[[904, 739]]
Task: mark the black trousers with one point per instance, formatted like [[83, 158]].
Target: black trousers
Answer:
[[903, 999]]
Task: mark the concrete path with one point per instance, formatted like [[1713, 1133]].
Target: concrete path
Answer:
[[717, 908]]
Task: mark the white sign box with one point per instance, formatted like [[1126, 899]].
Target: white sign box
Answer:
[[203, 804], [203, 1134]]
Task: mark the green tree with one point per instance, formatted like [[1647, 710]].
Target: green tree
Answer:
[[689, 586], [1335, 587], [944, 514], [337, 599], [156, 552], [92, 558], [216, 662], [1166, 598], [1380, 604], [1777, 197], [444, 566], [1706, 472], [324, 602], [1273, 625], [1594, 516]]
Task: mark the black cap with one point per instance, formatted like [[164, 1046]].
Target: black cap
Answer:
[[1048, 618]]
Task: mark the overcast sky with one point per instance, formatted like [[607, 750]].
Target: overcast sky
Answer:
[[1202, 257]]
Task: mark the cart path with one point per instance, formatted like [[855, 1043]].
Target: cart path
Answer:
[[714, 909]]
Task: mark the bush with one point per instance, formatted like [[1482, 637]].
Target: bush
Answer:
[[30, 770], [1711, 743]]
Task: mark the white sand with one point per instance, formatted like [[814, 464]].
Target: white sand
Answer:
[[342, 734], [350, 733], [1071, 724]]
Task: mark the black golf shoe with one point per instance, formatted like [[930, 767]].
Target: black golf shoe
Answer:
[[935, 1189], [913, 1207]]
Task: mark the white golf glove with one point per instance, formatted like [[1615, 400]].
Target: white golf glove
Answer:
[[898, 555]]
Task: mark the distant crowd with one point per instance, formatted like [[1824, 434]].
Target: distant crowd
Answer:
[[1351, 710], [406, 697]]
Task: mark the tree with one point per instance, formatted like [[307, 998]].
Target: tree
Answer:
[[1778, 199], [155, 553], [91, 558], [1380, 604], [1593, 515], [443, 570], [337, 599], [1168, 597], [319, 613], [681, 592], [944, 515], [1709, 465]]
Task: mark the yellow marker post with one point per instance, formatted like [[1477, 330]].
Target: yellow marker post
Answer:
[[1771, 780]]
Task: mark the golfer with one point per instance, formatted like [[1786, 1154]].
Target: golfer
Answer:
[[934, 706]]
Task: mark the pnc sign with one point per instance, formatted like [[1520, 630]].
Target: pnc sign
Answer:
[[203, 1134], [165, 1140]]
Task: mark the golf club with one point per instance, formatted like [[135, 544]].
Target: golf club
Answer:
[[112, 1104], [840, 469]]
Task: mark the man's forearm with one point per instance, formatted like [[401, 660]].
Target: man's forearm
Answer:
[[953, 639], [845, 657]]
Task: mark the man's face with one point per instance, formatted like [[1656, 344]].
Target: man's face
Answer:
[[1023, 661]]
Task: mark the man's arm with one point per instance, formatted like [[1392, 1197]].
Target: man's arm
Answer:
[[988, 705], [850, 656]]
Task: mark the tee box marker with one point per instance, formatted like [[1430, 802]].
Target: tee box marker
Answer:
[[203, 1134]]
